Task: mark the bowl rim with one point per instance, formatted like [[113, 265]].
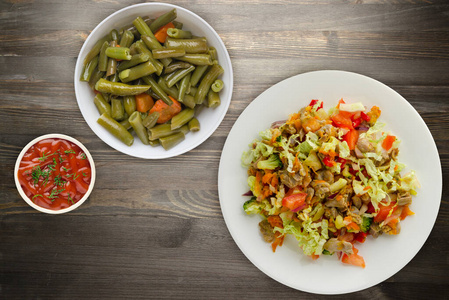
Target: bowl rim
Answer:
[[28, 200], [206, 132]]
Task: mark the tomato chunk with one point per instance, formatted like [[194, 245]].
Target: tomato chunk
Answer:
[[353, 259], [294, 201], [351, 138], [384, 210]]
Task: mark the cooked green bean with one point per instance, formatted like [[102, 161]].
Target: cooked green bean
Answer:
[[129, 103], [173, 91], [189, 45], [114, 78], [159, 131], [135, 60], [188, 101], [157, 89], [183, 117], [94, 77], [136, 122], [193, 89], [103, 58], [95, 49], [153, 44], [102, 105], [112, 63], [138, 71], [118, 53], [197, 74], [114, 35], [125, 123], [151, 120], [213, 53], [140, 46], [116, 129], [117, 109], [89, 69], [185, 84], [213, 99], [194, 125], [176, 76], [206, 82], [175, 65], [120, 89], [179, 33], [166, 52], [170, 141], [154, 143], [217, 85], [196, 59], [177, 24], [127, 39], [132, 28], [163, 20]]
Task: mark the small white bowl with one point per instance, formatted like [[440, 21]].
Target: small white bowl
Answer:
[[209, 118], [52, 136]]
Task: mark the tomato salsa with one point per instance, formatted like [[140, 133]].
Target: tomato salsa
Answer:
[[55, 173]]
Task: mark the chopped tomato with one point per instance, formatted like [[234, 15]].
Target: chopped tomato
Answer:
[[356, 122], [314, 256], [351, 138], [353, 259], [340, 102], [360, 237], [384, 210], [406, 212], [294, 200], [341, 120], [364, 116], [328, 161], [388, 142], [341, 160], [314, 102]]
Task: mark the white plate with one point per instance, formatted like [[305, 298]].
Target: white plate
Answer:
[[385, 255], [209, 119]]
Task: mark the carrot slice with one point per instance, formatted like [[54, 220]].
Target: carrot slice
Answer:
[[144, 102], [166, 112], [161, 34], [388, 142]]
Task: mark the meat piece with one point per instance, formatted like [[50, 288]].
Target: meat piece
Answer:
[[325, 132], [267, 231], [334, 245], [375, 230], [335, 203], [358, 153], [325, 175], [357, 201], [321, 187], [365, 145], [404, 198], [330, 212], [290, 180]]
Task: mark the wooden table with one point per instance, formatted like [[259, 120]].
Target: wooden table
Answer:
[[154, 229]]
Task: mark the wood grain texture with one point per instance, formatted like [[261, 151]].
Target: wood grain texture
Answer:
[[141, 236]]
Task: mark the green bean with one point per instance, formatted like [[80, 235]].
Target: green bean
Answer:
[[132, 49], [183, 117], [166, 52], [96, 75], [155, 143], [89, 69], [179, 33], [129, 103], [153, 94], [173, 91], [102, 105], [213, 53], [118, 53], [103, 59], [127, 39], [120, 89], [95, 49], [197, 74], [132, 28], [151, 120], [196, 59], [193, 90], [217, 85], [185, 84], [112, 63], [178, 24], [194, 125], [138, 71], [189, 45], [174, 77], [140, 46], [125, 123], [213, 99], [153, 44], [175, 65], [170, 141], [188, 101], [162, 130], [117, 109], [135, 60], [206, 82], [114, 35], [114, 78], [106, 96], [116, 129], [136, 122], [163, 20], [157, 89]]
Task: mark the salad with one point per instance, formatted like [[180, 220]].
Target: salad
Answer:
[[330, 179]]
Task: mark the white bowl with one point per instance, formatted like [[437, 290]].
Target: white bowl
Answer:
[[209, 118], [40, 208]]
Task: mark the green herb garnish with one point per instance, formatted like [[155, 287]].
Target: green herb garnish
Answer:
[[38, 195], [54, 194], [70, 199], [65, 169], [83, 156], [70, 151], [59, 181], [84, 174], [37, 173]]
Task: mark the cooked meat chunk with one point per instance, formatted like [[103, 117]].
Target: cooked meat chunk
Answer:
[[404, 198], [267, 231], [365, 145], [375, 230], [325, 175], [321, 187], [334, 245], [289, 179], [357, 201]]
